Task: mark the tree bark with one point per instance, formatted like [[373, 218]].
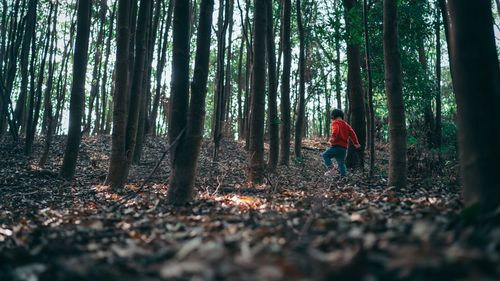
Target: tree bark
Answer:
[[256, 151], [184, 169], [394, 92], [37, 94], [475, 69], [105, 96], [77, 102], [28, 38], [438, 126], [272, 90], [299, 125], [285, 85], [179, 98], [371, 111], [160, 66], [355, 93], [219, 103], [48, 115], [116, 172]]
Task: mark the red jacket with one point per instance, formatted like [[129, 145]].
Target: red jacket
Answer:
[[341, 132]]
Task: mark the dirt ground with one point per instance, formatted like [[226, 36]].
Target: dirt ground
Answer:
[[298, 226]]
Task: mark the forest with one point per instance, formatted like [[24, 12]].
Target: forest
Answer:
[[249, 140]]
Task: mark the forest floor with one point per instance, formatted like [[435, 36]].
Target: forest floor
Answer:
[[298, 226]]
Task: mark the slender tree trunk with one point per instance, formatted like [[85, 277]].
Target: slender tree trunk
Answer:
[[438, 125], [285, 85], [428, 114], [94, 89], [179, 98], [33, 121], [338, 82], [272, 90], [241, 126], [394, 92], [475, 69], [184, 169], [256, 151], [446, 23], [137, 89], [48, 115], [77, 102], [219, 104], [355, 91], [371, 111], [302, 85], [228, 85], [28, 38], [160, 66], [104, 86], [116, 172]]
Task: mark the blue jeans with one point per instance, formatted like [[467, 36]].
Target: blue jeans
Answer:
[[339, 153]]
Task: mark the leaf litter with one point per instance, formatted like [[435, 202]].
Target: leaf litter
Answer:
[[299, 225]]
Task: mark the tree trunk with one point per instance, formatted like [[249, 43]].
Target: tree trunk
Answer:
[[355, 93], [29, 35], [394, 92], [77, 102], [272, 88], [241, 126], [184, 169], [338, 82], [256, 150], [228, 85], [48, 115], [159, 68], [475, 69], [116, 172], [37, 94], [137, 89], [437, 132], [302, 85], [371, 111], [285, 85], [105, 105], [219, 105], [179, 97]]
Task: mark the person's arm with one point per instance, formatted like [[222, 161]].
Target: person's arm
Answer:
[[353, 137], [335, 132]]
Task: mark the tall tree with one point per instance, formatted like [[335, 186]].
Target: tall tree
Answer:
[[36, 93], [137, 90], [256, 151], [184, 168], [179, 97], [219, 104], [116, 172], [371, 111], [272, 90], [475, 69], [394, 92], [438, 125], [299, 125], [96, 71], [48, 124], [285, 84], [355, 91], [77, 102], [162, 54], [29, 35]]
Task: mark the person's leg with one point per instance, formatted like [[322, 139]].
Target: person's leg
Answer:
[[327, 157], [340, 155]]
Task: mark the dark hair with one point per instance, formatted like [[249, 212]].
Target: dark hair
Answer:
[[337, 113]]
